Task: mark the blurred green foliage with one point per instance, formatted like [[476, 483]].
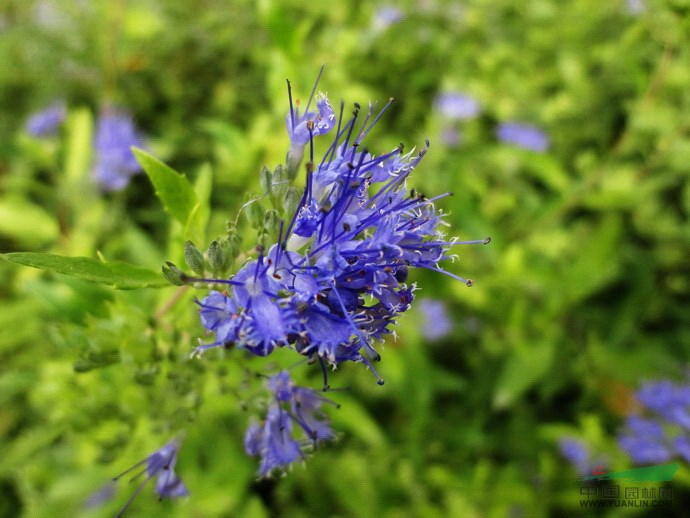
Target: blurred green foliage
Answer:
[[581, 295]]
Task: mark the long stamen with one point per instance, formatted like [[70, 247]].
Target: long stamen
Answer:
[[313, 90]]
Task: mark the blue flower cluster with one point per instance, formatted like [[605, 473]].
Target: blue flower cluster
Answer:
[[335, 280], [115, 162], [664, 435], [160, 464], [273, 439]]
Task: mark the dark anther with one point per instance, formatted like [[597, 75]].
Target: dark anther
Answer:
[[388, 269], [346, 227], [426, 141], [487, 241], [357, 107], [276, 276], [310, 125], [470, 283], [380, 381]]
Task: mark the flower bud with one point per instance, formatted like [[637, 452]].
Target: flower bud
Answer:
[[218, 254], [291, 201], [272, 223], [255, 213], [266, 179], [194, 258], [233, 241], [173, 274], [281, 182]]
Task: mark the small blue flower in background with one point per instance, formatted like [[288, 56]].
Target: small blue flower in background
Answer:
[[160, 463], [115, 162], [451, 136], [274, 440], [523, 135], [456, 105], [385, 16], [665, 433], [576, 452], [46, 122], [436, 322], [635, 7]]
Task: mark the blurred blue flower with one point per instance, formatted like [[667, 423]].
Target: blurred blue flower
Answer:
[[635, 7], [436, 323], [523, 135], [577, 453], [115, 162], [456, 105], [273, 441], [665, 432], [160, 463], [46, 122], [645, 441], [385, 16], [451, 136]]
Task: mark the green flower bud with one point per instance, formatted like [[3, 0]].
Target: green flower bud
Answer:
[[194, 258], [255, 213], [291, 201], [272, 223], [266, 179], [218, 254], [281, 182], [264, 240], [173, 274], [234, 243]]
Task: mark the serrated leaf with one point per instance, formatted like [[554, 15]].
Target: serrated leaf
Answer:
[[117, 274], [172, 188]]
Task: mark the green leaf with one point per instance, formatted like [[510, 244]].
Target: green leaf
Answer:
[[117, 274], [172, 188]]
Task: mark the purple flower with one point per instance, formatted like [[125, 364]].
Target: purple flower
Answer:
[[385, 16], [665, 433], [160, 463], [451, 136], [577, 453], [274, 440], [456, 105], [335, 281], [115, 162], [523, 135], [435, 324], [644, 441], [46, 122]]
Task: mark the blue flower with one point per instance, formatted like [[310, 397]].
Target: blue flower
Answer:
[[274, 440], [115, 162], [523, 135], [436, 324], [644, 441], [46, 122], [456, 105], [160, 464], [577, 453], [665, 432], [335, 281], [385, 16]]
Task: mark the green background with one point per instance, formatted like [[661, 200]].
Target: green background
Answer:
[[582, 294]]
